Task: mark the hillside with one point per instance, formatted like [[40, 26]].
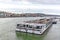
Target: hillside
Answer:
[[7, 14]]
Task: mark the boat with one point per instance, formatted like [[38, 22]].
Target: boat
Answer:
[[38, 26], [54, 21]]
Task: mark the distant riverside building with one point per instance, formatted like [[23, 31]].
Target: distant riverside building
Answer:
[[6, 14], [2, 15]]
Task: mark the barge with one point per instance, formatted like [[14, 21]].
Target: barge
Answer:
[[34, 26]]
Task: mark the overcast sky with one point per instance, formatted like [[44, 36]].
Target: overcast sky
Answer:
[[31, 6]]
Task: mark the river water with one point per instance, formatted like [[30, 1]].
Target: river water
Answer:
[[8, 26]]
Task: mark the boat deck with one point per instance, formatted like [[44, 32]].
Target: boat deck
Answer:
[[40, 21]]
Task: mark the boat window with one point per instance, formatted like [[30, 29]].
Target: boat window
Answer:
[[30, 26], [26, 25], [18, 24], [23, 25], [37, 27]]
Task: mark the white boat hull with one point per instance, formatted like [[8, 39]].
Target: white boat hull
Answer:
[[34, 31]]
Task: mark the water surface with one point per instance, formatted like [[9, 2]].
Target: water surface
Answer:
[[8, 26]]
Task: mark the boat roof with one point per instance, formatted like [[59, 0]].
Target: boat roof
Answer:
[[40, 21]]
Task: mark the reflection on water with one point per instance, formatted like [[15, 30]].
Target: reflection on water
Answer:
[[28, 36]]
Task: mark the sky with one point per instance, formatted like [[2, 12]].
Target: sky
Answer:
[[31, 6]]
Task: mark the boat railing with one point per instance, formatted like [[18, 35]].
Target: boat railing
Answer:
[[30, 27]]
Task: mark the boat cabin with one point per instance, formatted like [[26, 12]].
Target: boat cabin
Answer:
[[34, 26]]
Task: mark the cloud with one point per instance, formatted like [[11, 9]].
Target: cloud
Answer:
[[36, 1], [45, 1], [39, 1], [27, 6]]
